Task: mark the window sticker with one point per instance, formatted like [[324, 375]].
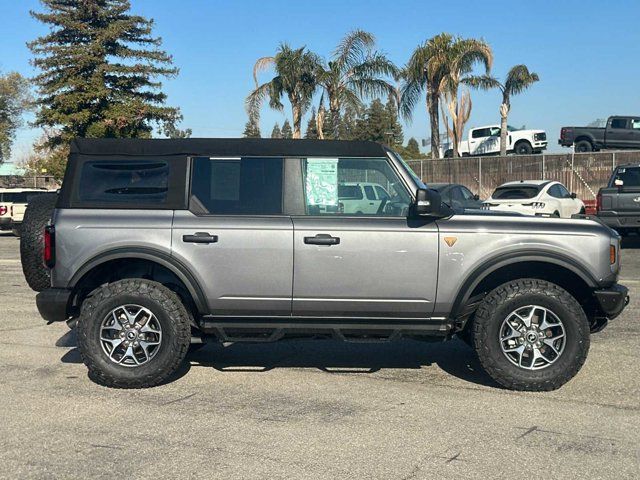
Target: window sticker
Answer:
[[322, 181]]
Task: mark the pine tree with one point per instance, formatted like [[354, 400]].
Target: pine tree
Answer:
[[328, 125], [252, 127], [276, 132], [348, 122], [412, 149], [287, 131], [312, 127], [100, 70]]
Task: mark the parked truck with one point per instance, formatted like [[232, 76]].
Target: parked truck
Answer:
[[486, 141], [618, 204], [618, 133]]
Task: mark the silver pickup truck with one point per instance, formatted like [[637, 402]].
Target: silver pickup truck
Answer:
[[155, 244]]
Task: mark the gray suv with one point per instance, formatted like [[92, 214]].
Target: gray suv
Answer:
[[158, 244]]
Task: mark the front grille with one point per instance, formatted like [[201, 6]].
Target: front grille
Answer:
[[540, 137]]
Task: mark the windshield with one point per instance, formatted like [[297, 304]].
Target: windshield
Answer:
[[627, 177], [415, 177], [515, 192]]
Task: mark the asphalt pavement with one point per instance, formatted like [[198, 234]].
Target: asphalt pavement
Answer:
[[312, 409]]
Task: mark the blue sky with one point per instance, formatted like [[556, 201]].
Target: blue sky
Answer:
[[586, 53]]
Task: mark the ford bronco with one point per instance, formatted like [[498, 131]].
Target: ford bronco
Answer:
[[155, 244]]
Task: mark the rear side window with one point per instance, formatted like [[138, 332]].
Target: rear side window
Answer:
[[520, 192], [352, 192], [368, 191], [619, 123], [238, 186], [124, 182], [481, 132]]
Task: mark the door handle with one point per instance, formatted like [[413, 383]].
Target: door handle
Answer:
[[200, 237], [322, 239]]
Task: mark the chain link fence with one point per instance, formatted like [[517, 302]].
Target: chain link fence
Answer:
[[582, 173]]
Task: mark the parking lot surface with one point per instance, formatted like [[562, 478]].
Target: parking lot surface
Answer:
[[312, 409]]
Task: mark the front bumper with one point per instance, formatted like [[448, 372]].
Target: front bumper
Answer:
[[612, 300], [53, 304]]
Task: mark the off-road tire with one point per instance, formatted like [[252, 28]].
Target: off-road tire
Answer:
[[523, 148], [168, 309], [583, 146], [505, 299], [36, 217]]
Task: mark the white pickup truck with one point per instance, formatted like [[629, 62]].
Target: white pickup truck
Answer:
[[13, 203], [486, 141]]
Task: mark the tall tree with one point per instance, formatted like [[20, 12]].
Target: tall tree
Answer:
[[295, 76], [287, 132], [463, 54], [252, 127], [100, 72], [355, 70], [518, 80], [412, 149], [15, 98], [276, 132], [393, 127], [434, 67], [312, 126]]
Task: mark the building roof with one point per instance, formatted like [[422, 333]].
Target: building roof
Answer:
[[227, 147]]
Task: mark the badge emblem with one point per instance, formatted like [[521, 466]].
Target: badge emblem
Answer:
[[451, 241]]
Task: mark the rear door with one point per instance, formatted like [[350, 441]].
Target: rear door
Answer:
[[478, 142], [235, 238], [627, 179], [379, 265]]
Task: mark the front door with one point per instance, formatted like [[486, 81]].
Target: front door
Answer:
[[375, 265], [235, 238]]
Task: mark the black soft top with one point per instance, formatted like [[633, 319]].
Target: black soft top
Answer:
[[227, 147]]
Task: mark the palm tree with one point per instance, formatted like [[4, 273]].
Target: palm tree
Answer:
[[296, 77], [463, 55], [437, 67], [355, 71], [518, 80]]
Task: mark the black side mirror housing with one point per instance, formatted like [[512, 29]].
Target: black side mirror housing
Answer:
[[573, 195], [429, 203], [476, 197]]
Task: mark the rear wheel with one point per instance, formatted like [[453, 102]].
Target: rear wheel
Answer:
[[133, 333], [531, 334], [36, 217], [583, 146]]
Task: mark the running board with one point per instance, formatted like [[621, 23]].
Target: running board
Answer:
[[252, 329]]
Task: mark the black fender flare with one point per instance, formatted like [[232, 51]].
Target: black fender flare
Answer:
[[499, 261], [153, 255]]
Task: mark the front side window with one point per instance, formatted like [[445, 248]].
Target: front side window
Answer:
[[124, 181], [619, 123], [236, 186], [334, 186]]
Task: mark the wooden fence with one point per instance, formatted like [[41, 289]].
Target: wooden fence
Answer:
[[582, 173]]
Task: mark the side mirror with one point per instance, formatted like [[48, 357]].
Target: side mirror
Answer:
[[476, 197], [573, 195], [429, 203]]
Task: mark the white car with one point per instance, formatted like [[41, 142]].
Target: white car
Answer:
[[361, 198], [486, 141], [535, 197]]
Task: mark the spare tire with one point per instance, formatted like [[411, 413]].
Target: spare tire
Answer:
[[36, 217]]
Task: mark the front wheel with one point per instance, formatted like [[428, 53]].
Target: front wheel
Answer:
[[523, 148], [531, 335], [132, 333]]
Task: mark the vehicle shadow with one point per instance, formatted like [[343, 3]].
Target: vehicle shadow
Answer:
[[329, 356], [629, 242]]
